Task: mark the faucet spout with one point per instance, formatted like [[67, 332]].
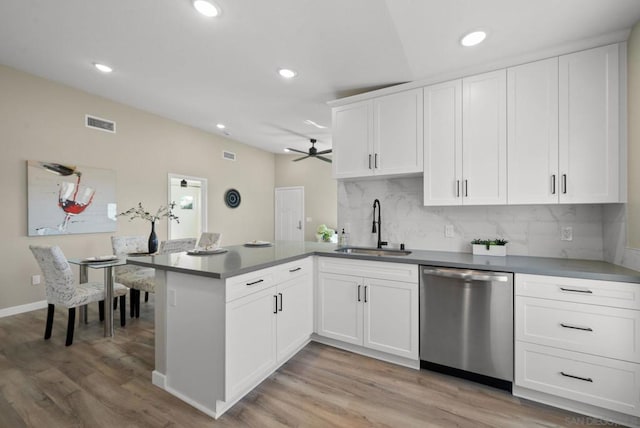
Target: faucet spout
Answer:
[[376, 202]]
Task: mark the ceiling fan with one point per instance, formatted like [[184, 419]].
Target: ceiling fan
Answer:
[[313, 152]]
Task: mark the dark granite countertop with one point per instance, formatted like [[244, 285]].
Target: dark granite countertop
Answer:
[[240, 259]]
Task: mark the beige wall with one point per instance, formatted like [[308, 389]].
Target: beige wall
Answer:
[[42, 120], [320, 190], [633, 111]]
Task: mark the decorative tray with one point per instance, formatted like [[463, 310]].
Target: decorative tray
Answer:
[[258, 244]]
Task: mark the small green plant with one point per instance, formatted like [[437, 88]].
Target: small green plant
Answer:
[[488, 242], [325, 232]]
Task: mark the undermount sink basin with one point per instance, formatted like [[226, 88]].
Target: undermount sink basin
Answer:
[[373, 251]]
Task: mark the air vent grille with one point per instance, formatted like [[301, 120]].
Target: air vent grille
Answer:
[[100, 124], [228, 155]]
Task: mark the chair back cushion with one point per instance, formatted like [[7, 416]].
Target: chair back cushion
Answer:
[[58, 276], [123, 245], [177, 245]]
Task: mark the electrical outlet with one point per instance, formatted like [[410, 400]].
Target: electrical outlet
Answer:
[[448, 231], [566, 233], [35, 279]]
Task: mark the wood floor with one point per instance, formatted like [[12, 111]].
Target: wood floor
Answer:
[[99, 382]]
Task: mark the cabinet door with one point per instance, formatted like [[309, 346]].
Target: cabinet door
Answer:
[[352, 130], [397, 147], [250, 340], [532, 133], [339, 307], [484, 144], [295, 315], [443, 144], [589, 126], [391, 317]]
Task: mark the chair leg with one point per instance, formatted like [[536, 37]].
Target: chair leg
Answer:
[[115, 303], [101, 310], [47, 330], [123, 310], [70, 326], [138, 304], [146, 296], [132, 303]]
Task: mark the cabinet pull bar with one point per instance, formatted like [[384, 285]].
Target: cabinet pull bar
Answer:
[[457, 188], [575, 327], [359, 293], [369, 161], [254, 282], [564, 183], [280, 309], [295, 270], [553, 184], [375, 162], [586, 379], [466, 188], [365, 293], [275, 309], [576, 290]]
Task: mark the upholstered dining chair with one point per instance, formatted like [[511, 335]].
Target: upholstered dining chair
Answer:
[[135, 277], [209, 239], [177, 245], [61, 290]]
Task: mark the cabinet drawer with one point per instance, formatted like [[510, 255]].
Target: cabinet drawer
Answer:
[[606, 293], [248, 283], [599, 381], [598, 330], [295, 269], [370, 269]]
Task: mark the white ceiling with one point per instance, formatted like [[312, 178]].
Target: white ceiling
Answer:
[[171, 61]]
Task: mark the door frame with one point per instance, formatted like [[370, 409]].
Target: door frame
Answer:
[[203, 198], [275, 209]]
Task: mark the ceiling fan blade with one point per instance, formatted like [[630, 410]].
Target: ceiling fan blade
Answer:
[[299, 159], [323, 158], [297, 151], [324, 152]]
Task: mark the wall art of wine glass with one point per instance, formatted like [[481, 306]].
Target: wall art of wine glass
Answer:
[[66, 198]]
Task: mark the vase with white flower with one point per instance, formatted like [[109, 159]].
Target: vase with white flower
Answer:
[[140, 212]]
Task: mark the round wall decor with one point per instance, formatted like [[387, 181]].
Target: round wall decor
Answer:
[[232, 198]]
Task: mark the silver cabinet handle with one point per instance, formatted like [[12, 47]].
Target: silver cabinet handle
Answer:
[[575, 327], [553, 184], [471, 275], [586, 379]]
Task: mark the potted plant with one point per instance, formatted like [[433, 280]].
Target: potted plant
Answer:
[[324, 234], [489, 247]]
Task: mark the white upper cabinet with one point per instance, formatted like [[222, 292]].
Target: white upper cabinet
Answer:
[[484, 138], [589, 83], [532, 133], [397, 147], [353, 140], [382, 136], [443, 144]]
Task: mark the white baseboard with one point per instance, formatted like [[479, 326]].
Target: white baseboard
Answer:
[[15, 310]]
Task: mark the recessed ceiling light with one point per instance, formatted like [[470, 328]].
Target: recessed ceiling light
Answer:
[[102, 67], [220, 126], [206, 8], [473, 38], [286, 73], [311, 122]]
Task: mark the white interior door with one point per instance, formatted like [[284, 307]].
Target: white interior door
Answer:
[[190, 196], [289, 214]]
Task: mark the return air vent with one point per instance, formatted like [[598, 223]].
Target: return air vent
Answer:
[[100, 124], [228, 155]]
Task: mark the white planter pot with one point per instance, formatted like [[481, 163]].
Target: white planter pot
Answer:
[[494, 250]]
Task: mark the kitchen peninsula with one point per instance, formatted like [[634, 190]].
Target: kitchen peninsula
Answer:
[[226, 322]]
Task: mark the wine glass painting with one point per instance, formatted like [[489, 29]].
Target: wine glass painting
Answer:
[[66, 199]]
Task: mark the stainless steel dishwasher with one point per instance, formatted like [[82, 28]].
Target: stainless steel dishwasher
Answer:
[[466, 324]]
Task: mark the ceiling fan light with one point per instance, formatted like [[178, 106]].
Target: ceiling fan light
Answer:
[[206, 8]]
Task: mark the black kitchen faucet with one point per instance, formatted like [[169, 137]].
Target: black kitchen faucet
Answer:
[[379, 228]]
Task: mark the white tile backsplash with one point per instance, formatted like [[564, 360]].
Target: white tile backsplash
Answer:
[[532, 230]]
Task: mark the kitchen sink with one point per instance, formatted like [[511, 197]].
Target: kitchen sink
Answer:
[[373, 251]]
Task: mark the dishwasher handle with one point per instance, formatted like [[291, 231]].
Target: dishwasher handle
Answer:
[[468, 275]]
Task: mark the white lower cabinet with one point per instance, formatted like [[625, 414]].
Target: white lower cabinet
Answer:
[[578, 345], [266, 327], [376, 313]]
